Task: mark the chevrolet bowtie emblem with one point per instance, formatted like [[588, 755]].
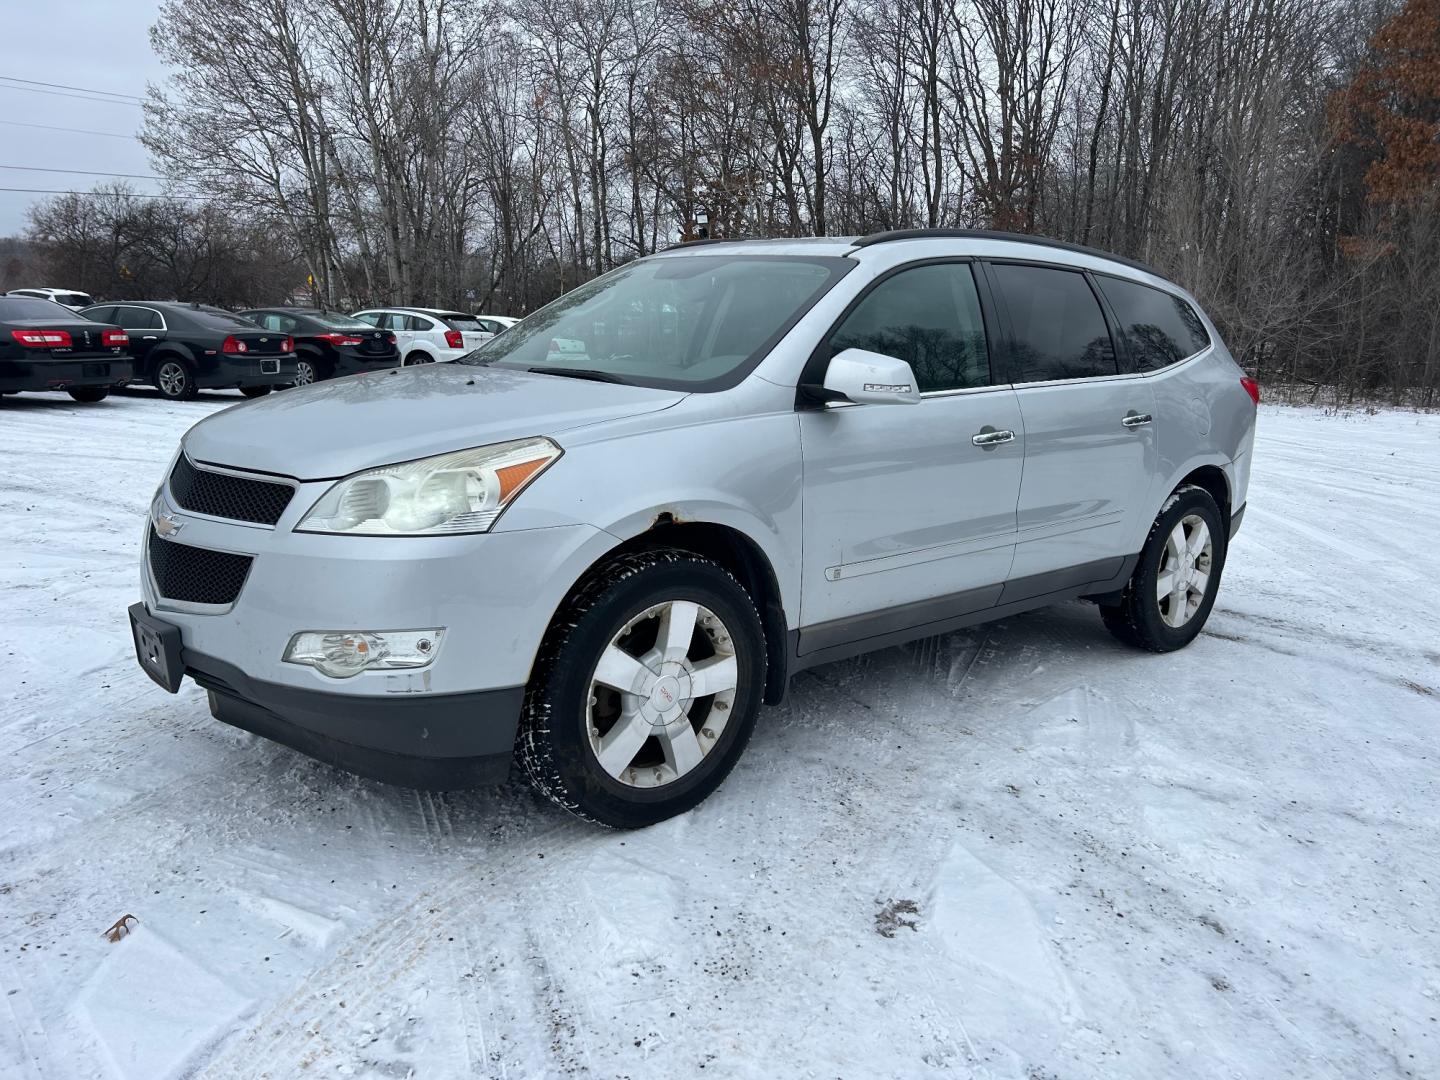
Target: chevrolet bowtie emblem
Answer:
[[167, 525]]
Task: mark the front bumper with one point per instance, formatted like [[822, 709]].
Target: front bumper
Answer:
[[63, 374], [449, 724]]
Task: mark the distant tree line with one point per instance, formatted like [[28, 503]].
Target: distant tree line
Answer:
[[1280, 158]]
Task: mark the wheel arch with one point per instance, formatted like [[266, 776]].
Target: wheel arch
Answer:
[[738, 553], [1214, 480]]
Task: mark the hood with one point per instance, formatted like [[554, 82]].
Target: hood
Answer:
[[335, 428]]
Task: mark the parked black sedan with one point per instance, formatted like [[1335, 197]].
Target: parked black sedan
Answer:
[[183, 348], [328, 343], [44, 346]]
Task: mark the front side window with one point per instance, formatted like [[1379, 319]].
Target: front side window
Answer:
[[929, 317], [1158, 327], [692, 322], [1057, 328]]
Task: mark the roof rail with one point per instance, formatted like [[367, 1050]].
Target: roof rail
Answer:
[[995, 234], [707, 240]]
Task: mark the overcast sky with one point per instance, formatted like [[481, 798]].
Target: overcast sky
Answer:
[[95, 44]]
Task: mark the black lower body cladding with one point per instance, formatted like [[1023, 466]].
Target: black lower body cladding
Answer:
[[46, 374]]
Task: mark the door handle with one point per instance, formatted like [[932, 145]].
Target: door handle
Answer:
[[148, 337], [989, 437], [1136, 419]]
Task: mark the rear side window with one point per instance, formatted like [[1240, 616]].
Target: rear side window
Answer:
[[1158, 328], [1057, 328], [100, 314], [134, 318], [928, 316], [414, 322]]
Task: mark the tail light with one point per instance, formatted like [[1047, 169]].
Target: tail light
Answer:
[[114, 337], [233, 344], [42, 339], [288, 345], [341, 339], [390, 339], [1252, 388], [454, 339]]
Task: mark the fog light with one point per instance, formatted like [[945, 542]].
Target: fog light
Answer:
[[343, 653]]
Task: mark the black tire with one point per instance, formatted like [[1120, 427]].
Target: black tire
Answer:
[[419, 358], [89, 394], [1138, 618], [553, 745], [254, 391], [175, 379]]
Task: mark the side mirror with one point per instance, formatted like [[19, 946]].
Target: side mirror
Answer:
[[869, 378]]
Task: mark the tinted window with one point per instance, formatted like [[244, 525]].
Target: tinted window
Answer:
[[1158, 328], [930, 318], [1058, 329], [340, 322], [74, 299], [461, 322], [215, 319], [101, 314], [688, 321], [415, 322], [23, 307], [134, 318]]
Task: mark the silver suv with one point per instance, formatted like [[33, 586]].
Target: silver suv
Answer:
[[601, 541]]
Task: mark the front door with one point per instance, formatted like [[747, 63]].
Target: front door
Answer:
[[1090, 449], [908, 518]]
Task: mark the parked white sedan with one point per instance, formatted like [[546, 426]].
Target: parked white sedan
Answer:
[[428, 335]]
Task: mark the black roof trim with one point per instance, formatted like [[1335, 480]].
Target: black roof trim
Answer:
[[995, 234], [703, 243]]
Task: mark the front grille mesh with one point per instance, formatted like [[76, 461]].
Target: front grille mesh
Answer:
[[195, 575], [222, 495]]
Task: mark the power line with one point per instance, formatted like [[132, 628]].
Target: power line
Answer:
[[79, 97], [75, 131], [124, 194], [85, 172], [63, 86]]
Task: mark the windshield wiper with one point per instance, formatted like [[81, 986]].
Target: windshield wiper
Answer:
[[580, 373]]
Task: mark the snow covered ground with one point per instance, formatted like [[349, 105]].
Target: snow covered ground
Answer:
[[1023, 851]]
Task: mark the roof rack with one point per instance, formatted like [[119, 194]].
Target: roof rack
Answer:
[[707, 240], [995, 234]]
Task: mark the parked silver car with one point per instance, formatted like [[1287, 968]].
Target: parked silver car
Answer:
[[751, 458]]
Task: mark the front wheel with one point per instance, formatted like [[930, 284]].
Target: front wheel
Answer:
[[645, 690], [89, 394], [1170, 595]]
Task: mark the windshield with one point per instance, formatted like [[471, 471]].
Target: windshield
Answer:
[[73, 299], [697, 322], [461, 322]]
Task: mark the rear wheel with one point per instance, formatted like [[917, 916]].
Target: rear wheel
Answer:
[[645, 691], [89, 394], [419, 358], [305, 372], [1170, 595], [254, 391], [174, 379]]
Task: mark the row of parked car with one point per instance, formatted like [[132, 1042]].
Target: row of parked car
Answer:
[[59, 339]]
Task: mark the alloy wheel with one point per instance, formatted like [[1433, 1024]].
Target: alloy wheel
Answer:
[[1184, 576], [304, 373], [661, 694], [171, 379]]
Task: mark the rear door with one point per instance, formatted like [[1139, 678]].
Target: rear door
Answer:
[[146, 328], [907, 518], [1090, 449]]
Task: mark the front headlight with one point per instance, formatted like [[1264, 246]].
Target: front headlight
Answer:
[[463, 492]]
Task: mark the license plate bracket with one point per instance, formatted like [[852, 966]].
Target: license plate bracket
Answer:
[[157, 648], [269, 367]]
